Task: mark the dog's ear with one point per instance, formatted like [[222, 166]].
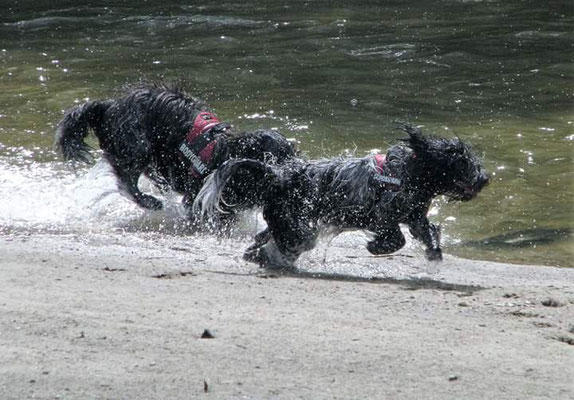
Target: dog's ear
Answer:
[[416, 139], [457, 148]]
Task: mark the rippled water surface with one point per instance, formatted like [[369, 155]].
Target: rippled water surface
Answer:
[[334, 75]]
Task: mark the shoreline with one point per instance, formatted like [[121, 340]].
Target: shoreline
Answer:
[[103, 317]]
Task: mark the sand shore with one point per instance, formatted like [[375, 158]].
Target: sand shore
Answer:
[[100, 319]]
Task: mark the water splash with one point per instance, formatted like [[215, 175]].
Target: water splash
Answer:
[[51, 197]]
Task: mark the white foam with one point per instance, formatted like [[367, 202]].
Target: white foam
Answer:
[[51, 196]]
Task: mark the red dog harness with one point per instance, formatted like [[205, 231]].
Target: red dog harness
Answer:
[[199, 143], [384, 174]]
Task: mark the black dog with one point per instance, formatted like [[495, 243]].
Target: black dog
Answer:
[[171, 137], [375, 193]]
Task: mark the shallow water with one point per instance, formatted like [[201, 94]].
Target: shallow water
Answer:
[[333, 75]]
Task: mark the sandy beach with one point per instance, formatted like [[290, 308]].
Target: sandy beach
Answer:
[[103, 299], [102, 319]]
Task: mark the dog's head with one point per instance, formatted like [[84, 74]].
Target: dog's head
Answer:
[[445, 166]]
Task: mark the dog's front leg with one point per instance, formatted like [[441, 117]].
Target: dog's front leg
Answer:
[[429, 234], [387, 241]]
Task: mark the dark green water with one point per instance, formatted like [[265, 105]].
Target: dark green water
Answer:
[[334, 75]]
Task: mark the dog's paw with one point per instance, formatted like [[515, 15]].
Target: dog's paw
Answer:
[[375, 248], [252, 254], [149, 202], [434, 254], [270, 257], [378, 247]]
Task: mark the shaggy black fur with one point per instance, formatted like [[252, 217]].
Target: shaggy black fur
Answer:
[[359, 193], [142, 133]]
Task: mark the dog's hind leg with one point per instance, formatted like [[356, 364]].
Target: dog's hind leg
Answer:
[[387, 241], [129, 153], [128, 182], [292, 235], [280, 245], [291, 221]]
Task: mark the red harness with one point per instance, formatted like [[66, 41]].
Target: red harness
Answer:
[[383, 173], [199, 144]]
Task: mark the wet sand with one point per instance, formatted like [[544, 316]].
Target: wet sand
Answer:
[[99, 319]]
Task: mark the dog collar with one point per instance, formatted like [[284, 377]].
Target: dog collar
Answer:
[[383, 174], [199, 143]]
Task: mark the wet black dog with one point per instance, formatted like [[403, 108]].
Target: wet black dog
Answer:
[[375, 193], [162, 132]]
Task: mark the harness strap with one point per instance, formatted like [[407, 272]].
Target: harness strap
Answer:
[[383, 174], [199, 143], [202, 123]]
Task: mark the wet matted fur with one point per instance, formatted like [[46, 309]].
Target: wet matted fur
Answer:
[[143, 131], [374, 193]]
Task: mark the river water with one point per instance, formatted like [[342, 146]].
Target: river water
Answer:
[[332, 74]]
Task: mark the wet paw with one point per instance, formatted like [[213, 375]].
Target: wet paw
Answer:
[[149, 202], [434, 254], [377, 247], [252, 254], [269, 257]]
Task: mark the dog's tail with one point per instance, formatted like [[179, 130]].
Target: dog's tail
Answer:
[[75, 126], [237, 184]]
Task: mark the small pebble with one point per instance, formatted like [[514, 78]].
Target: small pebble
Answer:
[[566, 339], [551, 303], [207, 334]]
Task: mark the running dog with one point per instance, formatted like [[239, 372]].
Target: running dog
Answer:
[[160, 131], [375, 193]]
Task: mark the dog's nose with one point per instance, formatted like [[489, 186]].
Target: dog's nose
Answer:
[[483, 180]]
